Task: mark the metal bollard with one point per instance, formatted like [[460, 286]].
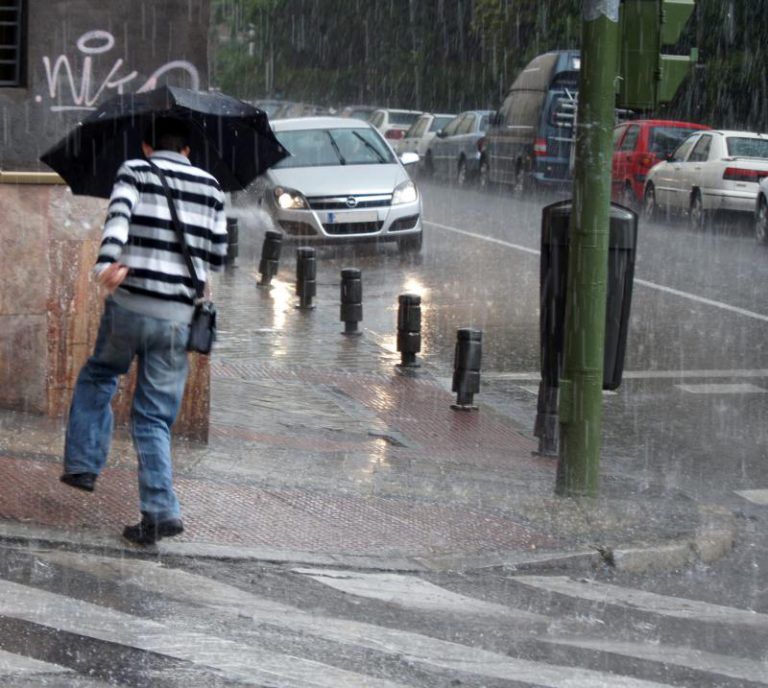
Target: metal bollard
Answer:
[[408, 329], [466, 367], [351, 300], [270, 257], [233, 241], [306, 274]]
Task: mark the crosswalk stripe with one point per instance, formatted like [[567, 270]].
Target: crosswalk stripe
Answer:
[[411, 593], [640, 600], [413, 648], [754, 496], [244, 663], [708, 662], [18, 665]]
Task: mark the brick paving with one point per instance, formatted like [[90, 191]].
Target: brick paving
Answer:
[[317, 444]]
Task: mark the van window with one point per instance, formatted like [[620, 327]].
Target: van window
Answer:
[[525, 109]]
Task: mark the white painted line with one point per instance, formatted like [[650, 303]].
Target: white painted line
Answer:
[[535, 390], [645, 374], [17, 665], [413, 648], [639, 600], [247, 664], [722, 388], [645, 283], [409, 592], [755, 496], [710, 663]]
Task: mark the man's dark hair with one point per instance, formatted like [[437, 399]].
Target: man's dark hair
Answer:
[[167, 133]]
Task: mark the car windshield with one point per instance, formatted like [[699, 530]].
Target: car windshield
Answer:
[[664, 140], [331, 147], [747, 147]]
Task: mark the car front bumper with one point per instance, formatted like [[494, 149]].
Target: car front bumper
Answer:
[[387, 223]]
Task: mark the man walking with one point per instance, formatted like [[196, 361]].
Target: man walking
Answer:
[[146, 316]]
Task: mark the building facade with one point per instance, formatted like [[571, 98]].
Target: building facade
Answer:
[[59, 59]]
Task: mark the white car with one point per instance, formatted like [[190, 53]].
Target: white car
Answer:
[[422, 131], [394, 123], [761, 212], [341, 182], [709, 171]]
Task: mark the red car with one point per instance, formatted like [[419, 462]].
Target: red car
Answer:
[[637, 146]]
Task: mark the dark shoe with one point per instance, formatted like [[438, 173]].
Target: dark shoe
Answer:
[[82, 481], [148, 532]]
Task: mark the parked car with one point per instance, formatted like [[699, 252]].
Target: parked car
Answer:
[[421, 132], [363, 112], [290, 110], [394, 123], [455, 151], [532, 134], [709, 171], [637, 146], [761, 212], [341, 182]]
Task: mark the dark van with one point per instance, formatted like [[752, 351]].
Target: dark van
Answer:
[[532, 134]]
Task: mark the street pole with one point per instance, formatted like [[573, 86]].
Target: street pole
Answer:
[[581, 387]]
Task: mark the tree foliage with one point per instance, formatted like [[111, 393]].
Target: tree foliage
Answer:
[[447, 55]]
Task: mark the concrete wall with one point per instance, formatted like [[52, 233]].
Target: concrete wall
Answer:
[[80, 52]]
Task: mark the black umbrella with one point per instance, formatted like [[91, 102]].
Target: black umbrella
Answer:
[[228, 138]]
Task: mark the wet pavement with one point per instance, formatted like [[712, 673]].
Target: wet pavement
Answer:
[[323, 451]]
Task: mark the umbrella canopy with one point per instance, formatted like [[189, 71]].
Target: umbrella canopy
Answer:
[[228, 138]]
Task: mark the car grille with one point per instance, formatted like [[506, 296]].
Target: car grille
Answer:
[[297, 228], [404, 223], [353, 228], [341, 202]]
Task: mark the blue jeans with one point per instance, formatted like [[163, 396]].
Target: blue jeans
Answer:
[[160, 347]]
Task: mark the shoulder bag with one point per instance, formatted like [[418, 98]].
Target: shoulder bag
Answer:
[[202, 330]]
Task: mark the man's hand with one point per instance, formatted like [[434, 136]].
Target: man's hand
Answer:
[[112, 276]]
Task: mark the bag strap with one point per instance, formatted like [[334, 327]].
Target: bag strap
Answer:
[[199, 286]]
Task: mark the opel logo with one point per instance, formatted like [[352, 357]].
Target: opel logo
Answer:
[[351, 202]]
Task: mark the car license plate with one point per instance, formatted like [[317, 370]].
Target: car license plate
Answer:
[[345, 216]]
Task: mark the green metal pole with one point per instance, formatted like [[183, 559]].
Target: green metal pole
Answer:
[[581, 401]]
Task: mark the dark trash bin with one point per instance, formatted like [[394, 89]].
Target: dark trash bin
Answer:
[[622, 244]]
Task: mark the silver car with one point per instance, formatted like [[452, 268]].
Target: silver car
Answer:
[[342, 181], [454, 153]]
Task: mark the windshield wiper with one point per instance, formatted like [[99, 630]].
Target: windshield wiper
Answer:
[[336, 148], [368, 144]]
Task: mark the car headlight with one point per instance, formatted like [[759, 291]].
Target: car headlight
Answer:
[[405, 193], [289, 199]]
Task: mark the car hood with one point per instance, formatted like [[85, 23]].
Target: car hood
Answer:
[[339, 180]]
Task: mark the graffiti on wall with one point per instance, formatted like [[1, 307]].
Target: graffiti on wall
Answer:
[[73, 88]]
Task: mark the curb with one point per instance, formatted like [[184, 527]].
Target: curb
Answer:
[[712, 540]]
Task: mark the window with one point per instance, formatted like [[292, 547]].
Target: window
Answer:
[[743, 147], [618, 132], [665, 139], [630, 140], [525, 109], [440, 123], [11, 42], [467, 124], [684, 148], [418, 129], [700, 151], [450, 128]]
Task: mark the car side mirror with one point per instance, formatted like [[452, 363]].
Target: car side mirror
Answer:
[[440, 134], [669, 157], [409, 158]]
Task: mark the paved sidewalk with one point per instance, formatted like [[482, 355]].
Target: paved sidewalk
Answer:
[[322, 451]]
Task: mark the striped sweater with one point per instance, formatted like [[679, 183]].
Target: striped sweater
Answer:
[[139, 234]]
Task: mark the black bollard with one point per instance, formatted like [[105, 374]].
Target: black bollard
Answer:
[[466, 367], [233, 245], [351, 300], [270, 257], [408, 329], [306, 274]]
